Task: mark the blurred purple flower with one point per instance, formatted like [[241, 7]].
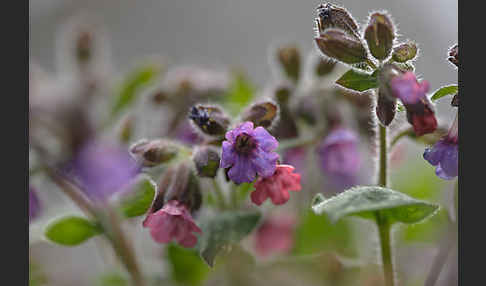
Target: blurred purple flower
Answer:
[[34, 204], [275, 235], [248, 152], [173, 221], [340, 158], [296, 157], [445, 154], [186, 134], [413, 96], [103, 169]]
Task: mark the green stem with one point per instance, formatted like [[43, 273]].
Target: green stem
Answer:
[[382, 179], [384, 228], [219, 195]]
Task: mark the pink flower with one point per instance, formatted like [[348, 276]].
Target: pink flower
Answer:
[[173, 221], [277, 186], [275, 235]]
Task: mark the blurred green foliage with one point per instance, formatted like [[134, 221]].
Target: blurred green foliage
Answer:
[[187, 267]]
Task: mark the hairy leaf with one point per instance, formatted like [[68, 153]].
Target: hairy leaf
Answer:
[[358, 81]]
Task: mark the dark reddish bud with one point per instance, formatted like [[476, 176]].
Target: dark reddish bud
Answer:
[[211, 120], [289, 59], [341, 46], [324, 66], [454, 55], [261, 114], [386, 108], [332, 16], [422, 117], [455, 100], [404, 52], [380, 35]]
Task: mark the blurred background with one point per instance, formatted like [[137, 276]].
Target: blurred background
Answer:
[[241, 34]]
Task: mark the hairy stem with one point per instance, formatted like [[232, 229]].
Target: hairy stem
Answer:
[[219, 195], [384, 226]]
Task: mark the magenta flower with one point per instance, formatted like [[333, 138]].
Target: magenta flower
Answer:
[[445, 154], [277, 186], [34, 204], [248, 152], [275, 235], [172, 222], [339, 157], [413, 96], [103, 169]]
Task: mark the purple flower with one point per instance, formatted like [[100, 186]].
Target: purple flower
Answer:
[[248, 152], [413, 96], [34, 204], [444, 154], [339, 156], [103, 169]]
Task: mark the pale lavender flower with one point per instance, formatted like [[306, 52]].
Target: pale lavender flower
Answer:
[[103, 169], [34, 204], [339, 157], [248, 152], [445, 154]]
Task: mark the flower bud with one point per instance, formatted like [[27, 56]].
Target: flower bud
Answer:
[[206, 160], [332, 16], [154, 152], [185, 188], [289, 59], [324, 66], [404, 52], [454, 55], [386, 108], [211, 120], [379, 35], [455, 100], [261, 114], [340, 46], [84, 46]]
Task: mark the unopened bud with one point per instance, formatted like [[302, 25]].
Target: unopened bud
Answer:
[[455, 100], [324, 66], [126, 129], [454, 55], [332, 16], [379, 35], [84, 46], [206, 159], [185, 188], [289, 59], [211, 120], [385, 75], [261, 114], [283, 93], [404, 52], [338, 45], [154, 152], [386, 108]]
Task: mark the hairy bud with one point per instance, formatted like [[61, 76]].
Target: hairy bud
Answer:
[[386, 108], [332, 16], [404, 52], [211, 120], [379, 35], [154, 152], [339, 45], [289, 59], [324, 66], [206, 159], [261, 114], [454, 55], [455, 100]]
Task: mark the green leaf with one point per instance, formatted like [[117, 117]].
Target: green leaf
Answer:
[[113, 279], [239, 95], [133, 83], [445, 90], [366, 201], [358, 81], [71, 230], [315, 234], [224, 229], [139, 198], [184, 261]]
